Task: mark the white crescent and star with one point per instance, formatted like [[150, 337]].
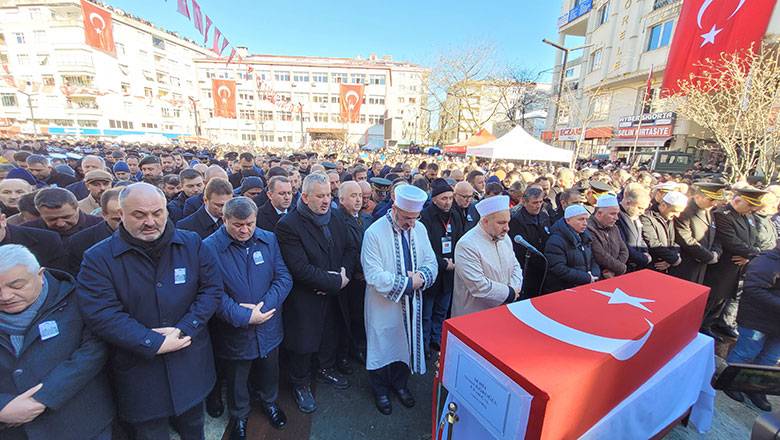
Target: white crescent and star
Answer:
[[620, 349], [353, 104], [709, 37], [92, 17]]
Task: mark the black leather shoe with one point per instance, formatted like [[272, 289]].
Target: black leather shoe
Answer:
[[214, 406], [331, 377], [304, 399], [736, 395], [344, 366], [239, 429], [728, 331], [405, 396], [275, 415], [760, 401], [383, 404]]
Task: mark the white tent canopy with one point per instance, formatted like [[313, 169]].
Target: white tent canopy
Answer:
[[519, 145]]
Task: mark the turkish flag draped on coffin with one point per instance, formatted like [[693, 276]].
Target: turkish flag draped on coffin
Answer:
[[707, 28], [98, 28], [582, 351], [351, 98], [224, 93]]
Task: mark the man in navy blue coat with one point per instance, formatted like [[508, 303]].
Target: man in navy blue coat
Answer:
[[249, 329], [149, 291], [208, 218]]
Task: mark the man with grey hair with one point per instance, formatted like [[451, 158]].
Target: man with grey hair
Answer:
[[533, 223], [149, 291], [88, 163], [321, 258], [40, 167], [60, 213], [249, 329], [53, 383]]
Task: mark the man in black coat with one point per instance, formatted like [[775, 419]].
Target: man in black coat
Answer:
[[444, 228], [759, 328], [60, 213], [40, 167], [149, 292], [658, 231], [635, 201], [247, 163], [191, 185], [45, 245], [533, 224], [52, 382], [279, 196], [208, 218], [81, 241], [694, 232], [738, 235], [569, 252], [321, 258]]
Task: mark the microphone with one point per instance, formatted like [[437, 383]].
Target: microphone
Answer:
[[523, 242]]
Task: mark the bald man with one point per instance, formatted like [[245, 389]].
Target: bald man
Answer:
[[11, 190], [464, 204]]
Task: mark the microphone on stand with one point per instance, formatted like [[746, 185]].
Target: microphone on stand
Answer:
[[523, 242]]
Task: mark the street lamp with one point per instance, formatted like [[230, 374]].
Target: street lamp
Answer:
[[194, 103], [32, 115], [563, 74]]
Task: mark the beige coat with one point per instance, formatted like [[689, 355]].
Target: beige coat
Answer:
[[88, 205], [484, 270]]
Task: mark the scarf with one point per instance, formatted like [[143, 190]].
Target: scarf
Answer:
[[16, 325], [320, 220], [152, 249]]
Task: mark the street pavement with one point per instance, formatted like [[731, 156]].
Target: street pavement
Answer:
[[351, 415]]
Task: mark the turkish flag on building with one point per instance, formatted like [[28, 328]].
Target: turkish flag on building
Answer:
[[351, 98], [707, 28], [98, 28], [224, 93]]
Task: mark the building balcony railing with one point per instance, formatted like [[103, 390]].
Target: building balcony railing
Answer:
[[658, 4], [577, 11]]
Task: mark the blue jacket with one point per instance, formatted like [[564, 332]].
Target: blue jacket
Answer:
[[123, 295], [70, 364], [570, 258], [191, 205], [252, 273], [759, 306]]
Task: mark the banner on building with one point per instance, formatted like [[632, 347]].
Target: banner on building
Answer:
[[706, 29], [224, 93], [351, 98], [654, 125], [98, 28]]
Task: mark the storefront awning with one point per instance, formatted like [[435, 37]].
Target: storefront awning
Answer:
[[640, 143]]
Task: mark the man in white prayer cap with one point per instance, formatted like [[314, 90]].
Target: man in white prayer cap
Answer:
[[487, 274], [658, 230], [398, 263]]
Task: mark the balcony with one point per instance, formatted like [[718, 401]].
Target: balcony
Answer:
[[575, 22], [658, 4]]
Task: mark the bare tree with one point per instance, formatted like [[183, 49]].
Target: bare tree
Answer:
[[523, 95], [736, 97], [578, 107]]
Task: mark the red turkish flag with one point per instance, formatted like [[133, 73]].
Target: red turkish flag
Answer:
[[98, 28], [707, 28], [224, 93], [351, 98]]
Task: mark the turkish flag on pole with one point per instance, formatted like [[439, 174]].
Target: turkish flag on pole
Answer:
[[197, 16], [224, 93], [98, 28], [183, 9], [707, 28], [350, 98]]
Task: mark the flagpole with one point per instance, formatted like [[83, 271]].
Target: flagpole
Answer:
[[641, 114]]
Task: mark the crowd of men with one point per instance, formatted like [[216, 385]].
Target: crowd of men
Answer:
[[139, 284]]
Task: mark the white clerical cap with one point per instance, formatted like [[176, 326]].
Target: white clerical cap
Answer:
[[666, 186], [676, 198], [607, 201], [574, 211], [410, 198], [492, 205]]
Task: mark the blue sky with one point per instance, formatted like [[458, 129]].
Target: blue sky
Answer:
[[416, 31]]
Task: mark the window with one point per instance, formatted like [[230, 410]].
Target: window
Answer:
[[264, 75], [595, 60], [301, 76], [19, 37], [563, 114], [340, 78], [158, 43], [320, 77], [43, 59], [22, 58], [600, 107], [175, 81], [87, 123], [282, 76], [376, 80], [63, 122], [2, 39], [248, 137], [148, 92], [401, 100], [660, 35], [8, 100], [39, 36], [412, 100], [320, 117], [169, 112], [603, 13], [265, 115], [319, 98], [246, 114], [48, 80], [149, 125], [376, 119], [569, 72], [148, 75], [120, 48], [335, 99], [285, 116], [306, 116], [335, 117], [376, 100], [358, 78]]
